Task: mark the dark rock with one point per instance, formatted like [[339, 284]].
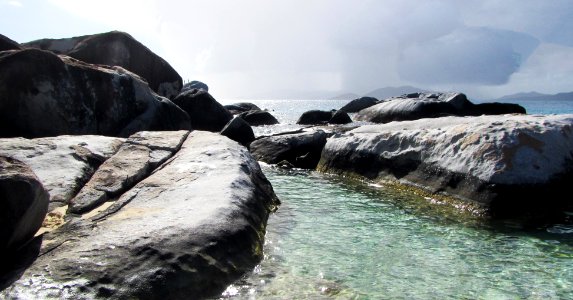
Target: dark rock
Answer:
[[194, 85], [416, 106], [8, 44], [237, 108], [239, 131], [313, 117], [514, 165], [205, 112], [302, 150], [359, 104], [186, 232], [63, 164], [24, 204], [340, 117], [117, 48], [496, 108], [134, 161], [42, 94], [258, 118]]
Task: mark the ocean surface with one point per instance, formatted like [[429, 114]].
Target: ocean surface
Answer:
[[334, 238]]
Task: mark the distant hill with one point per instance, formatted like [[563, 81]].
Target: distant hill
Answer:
[[387, 92], [346, 96], [536, 96]]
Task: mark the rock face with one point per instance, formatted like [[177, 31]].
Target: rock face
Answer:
[[258, 118], [134, 161], [240, 131], [429, 105], [313, 117], [185, 232], [195, 85], [508, 165], [24, 204], [316, 117], [42, 94], [63, 164], [302, 150], [118, 49], [205, 112], [359, 104], [237, 108], [340, 117], [8, 44]]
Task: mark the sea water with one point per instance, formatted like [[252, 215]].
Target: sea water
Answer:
[[334, 238]]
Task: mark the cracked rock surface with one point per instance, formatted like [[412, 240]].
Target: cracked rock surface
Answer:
[[185, 232]]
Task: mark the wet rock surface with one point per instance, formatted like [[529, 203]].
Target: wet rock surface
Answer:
[[237, 108], [189, 229], [511, 165], [117, 48], [359, 104], [42, 94], [63, 164]]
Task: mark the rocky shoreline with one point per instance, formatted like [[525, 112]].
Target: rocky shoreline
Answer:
[[150, 188]]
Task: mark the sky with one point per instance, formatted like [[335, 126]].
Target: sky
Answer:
[[257, 49]]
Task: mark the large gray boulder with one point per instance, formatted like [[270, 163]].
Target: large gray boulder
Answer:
[[117, 48], [241, 107], [185, 232], [205, 112], [63, 164], [359, 104], [42, 94], [135, 160], [23, 206], [429, 105], [258, 118], [301, 150], [504, 165], [240, 131]]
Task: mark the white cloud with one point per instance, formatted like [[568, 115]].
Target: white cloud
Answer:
[[15, 3]]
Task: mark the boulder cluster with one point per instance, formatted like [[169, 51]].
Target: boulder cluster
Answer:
[[130, 175]]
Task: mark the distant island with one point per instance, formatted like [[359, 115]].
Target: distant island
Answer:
[[388, 92], [536, 96]]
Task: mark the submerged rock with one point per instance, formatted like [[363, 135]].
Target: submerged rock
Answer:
[[42, 94], [430, 105], [23, 206], [510, 165], [63, 164], [302, 150], [185, 232], [117, 48], [134, 161], [205, 112], [240, 131], [258, 118], [359, 104]]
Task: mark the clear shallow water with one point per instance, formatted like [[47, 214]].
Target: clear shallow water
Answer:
[[333, 239]]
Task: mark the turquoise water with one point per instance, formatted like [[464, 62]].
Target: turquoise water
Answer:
[[333, 239], [338, 239]]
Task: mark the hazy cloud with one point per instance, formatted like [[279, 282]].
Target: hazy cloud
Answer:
[[273, 48]]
